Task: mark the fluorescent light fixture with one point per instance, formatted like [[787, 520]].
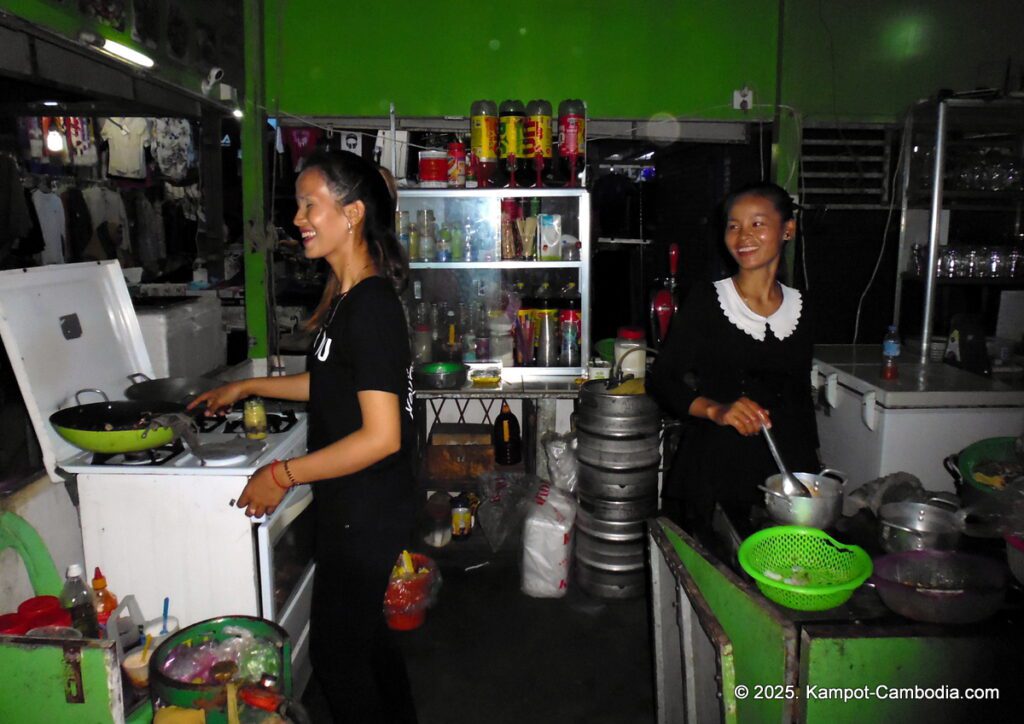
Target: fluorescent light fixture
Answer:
[[237, 113], [125, 53], [116, 49], [54, 141], [52, 104]]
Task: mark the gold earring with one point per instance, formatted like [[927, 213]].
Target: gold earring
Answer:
[[350, 226]]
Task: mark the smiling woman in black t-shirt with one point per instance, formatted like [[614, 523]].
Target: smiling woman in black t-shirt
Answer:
[[361, 438]]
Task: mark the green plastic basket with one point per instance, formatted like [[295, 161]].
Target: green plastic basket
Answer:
[[815, 572]]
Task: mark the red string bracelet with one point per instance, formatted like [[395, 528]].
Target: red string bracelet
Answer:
[[272, 475]]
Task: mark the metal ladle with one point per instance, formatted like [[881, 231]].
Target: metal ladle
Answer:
[[791, 485]]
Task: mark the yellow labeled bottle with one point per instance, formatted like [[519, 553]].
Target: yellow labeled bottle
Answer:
[[508, 444]]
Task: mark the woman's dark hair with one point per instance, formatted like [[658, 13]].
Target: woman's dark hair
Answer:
[[779, 197], [352, 178]]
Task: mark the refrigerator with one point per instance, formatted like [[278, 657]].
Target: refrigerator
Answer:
[[869, 427]]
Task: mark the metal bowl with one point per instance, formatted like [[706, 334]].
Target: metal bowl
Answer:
[[821, 510], [440, 375]]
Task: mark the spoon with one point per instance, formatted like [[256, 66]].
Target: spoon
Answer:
[[167, 603], [791, 485], [145, 647]]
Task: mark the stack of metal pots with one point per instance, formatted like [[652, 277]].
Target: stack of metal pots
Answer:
[[619, 455]]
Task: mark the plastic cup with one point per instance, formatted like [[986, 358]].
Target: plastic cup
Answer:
[[137, 668]]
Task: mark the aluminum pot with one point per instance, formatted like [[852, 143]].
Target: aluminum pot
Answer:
[[606, 414], [821, 510], [909, 526]]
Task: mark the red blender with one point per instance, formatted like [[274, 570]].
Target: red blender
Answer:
[[665, 301]]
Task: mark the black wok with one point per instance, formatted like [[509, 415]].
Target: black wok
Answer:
[[169, 389]]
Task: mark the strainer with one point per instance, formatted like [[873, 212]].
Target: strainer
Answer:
[[804, 568]]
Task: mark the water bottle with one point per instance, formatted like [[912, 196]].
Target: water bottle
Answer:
[[890, 351], [77, 600]]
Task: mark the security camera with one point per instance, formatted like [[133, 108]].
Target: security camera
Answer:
[[212, 78]]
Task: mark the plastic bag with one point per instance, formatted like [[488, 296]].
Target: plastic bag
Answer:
[[410, 593], [501, 510], [562, 463], [547, 542]]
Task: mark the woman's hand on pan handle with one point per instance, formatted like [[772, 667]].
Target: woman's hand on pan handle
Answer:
[[745, 415], [220, 398]]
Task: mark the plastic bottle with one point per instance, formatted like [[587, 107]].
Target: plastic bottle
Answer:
[[890, 351], [633, 363], [462, 517], [537, 142], [104, 599], [511, 118], [572, 144], [77, 600], [483, 124], [508, 445]]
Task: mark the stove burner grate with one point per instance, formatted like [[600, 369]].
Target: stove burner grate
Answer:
[[143, 458]]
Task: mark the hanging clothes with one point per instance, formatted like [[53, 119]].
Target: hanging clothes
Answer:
[[31, 244], [80, 230], [149, 231], [172, 147], [15, 221], [188, 198], [302, 143], [81, 141], [50, 211], [107, 207], [127, 139]]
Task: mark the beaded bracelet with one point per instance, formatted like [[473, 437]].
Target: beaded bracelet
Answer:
[[288, 472], [272, 475]]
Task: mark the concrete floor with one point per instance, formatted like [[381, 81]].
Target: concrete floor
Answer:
[[489, 653]]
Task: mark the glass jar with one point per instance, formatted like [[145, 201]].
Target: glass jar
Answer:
[[422, 341], [254, 418]]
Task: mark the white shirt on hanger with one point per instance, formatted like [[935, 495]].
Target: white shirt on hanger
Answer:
[[127, 139], [51, 222]]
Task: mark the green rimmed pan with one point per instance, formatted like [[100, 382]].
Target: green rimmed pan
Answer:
[[961, 465], [114, 427]]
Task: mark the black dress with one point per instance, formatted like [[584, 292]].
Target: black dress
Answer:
[[710, 355], [363, 520]]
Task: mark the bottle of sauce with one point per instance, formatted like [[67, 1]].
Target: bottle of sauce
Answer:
[[537, 142], [508, 444], [254, 418], [483, 138], [572, 135], [462, 517], [104, 599], [76, 599]]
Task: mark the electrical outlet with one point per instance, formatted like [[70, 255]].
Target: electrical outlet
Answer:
[[743, 99]]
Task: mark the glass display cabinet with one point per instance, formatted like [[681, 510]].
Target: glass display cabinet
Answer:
[[499, 275]]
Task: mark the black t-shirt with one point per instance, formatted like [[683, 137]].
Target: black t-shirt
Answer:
[[363, 344]]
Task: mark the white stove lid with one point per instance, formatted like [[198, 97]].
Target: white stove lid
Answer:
[[69, 327]]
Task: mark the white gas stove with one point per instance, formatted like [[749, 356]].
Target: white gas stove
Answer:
[[160, 525]]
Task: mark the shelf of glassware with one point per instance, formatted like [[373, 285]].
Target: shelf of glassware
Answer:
[[572, 204]]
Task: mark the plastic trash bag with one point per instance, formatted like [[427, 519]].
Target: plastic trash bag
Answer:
[[501, 505], [408, 593], [547, 542], [562, 462]]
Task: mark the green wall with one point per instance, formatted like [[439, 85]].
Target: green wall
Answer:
[[870, 59], [631, 59], [634, 59]]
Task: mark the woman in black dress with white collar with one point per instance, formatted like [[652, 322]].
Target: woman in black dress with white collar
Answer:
[[739, 355]]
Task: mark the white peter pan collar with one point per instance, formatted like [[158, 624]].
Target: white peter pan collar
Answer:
[[783, 322]]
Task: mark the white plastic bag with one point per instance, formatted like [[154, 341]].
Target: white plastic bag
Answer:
[[562, 466], [547, 542], [501, 511]]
